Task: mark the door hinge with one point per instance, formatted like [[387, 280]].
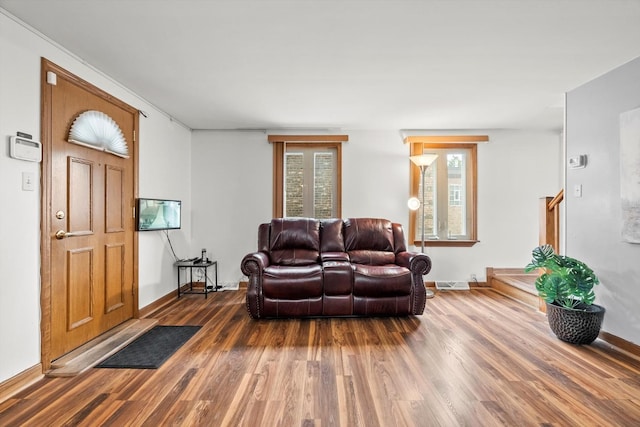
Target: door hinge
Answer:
[[134, 136]]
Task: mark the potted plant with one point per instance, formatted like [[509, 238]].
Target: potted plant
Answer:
[[566, 285]]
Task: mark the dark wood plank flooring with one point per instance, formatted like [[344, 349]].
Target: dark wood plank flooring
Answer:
[[475, 358]]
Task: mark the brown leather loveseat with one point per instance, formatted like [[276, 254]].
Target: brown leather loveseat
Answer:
[[306, 267]]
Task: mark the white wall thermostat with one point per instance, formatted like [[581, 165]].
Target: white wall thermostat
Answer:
[[25, 149], [578, 162]]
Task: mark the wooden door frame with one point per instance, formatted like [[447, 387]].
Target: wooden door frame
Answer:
[[46, 232]]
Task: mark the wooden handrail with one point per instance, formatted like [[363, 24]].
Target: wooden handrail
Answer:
[[550, 220], [556, 200]]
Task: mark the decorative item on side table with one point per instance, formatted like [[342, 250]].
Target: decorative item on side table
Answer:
[[423, 161], [566, 285]]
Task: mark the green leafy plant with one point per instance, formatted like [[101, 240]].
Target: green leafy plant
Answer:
[[565, 281]]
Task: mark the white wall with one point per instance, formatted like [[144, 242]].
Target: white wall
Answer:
[[20, 213], [515, 169], [164, 165], [164, 173], [594, 220], [232, 182]]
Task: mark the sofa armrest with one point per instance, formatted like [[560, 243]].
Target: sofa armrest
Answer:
[[419, 264], [253, 266], [334, 256], [254, 263]]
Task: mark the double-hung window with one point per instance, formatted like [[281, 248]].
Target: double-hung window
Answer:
[[450, 190], [310, 181], [307, 175]]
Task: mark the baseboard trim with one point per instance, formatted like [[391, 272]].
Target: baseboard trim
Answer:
[[21, 381], [162, 302], [621, 344], [158, 304]]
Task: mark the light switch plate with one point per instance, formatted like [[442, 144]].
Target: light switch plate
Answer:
[[577, 190], [28, 181]]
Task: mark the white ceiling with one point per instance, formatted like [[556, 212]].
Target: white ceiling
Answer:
[[353, 64]]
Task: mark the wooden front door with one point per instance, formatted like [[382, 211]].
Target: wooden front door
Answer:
[[89, 226]]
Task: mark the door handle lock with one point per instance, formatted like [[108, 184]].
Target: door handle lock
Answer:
[[61, 234]]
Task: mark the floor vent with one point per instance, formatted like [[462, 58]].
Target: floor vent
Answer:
[[452, 286]]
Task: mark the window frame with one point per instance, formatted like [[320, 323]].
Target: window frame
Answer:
[[280, 143], [417, 147]]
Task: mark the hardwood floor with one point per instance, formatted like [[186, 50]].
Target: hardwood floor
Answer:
[[474, 358]]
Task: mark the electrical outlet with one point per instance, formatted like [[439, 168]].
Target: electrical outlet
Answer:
[[473, 277]]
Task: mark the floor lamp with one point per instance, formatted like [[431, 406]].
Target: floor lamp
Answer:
[[423, 161]]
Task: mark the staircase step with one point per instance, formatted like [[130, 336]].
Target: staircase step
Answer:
[[522, 282], [98, 349], [515, 284]]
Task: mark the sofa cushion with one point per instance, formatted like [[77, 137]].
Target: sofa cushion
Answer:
[[292, 282], [368, 234], [294, 241], [381, 280]]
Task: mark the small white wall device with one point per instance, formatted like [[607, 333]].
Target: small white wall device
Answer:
[[578, 162], [25, 149]]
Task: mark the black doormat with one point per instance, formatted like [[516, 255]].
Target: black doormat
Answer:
[[151, 349]]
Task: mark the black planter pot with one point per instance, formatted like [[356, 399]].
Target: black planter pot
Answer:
[[576, 326]]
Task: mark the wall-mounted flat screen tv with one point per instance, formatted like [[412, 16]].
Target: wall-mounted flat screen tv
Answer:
[[158, 214]]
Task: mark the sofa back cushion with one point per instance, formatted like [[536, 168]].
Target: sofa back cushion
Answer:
[[263, 237], [331, 237], [369, 241], [399, 243], [294, 241]]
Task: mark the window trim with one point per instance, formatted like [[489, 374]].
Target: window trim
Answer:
[[417, 146], [280, 143]]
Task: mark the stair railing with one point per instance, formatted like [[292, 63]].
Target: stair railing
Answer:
[[550, 220]]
